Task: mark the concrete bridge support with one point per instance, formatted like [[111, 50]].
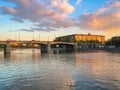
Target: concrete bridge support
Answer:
[[48, 48], [75, 46], [69, 48], [45, 48], [7, 49]]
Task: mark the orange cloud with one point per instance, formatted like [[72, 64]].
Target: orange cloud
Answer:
[[105, 18], [53, 14]]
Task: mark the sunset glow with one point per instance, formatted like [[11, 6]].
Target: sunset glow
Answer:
[[43, 19]]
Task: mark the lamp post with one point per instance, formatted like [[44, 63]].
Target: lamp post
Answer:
[[48, 38], [19, 36], [39, 37]]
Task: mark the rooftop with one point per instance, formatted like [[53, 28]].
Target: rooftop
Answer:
[[82, 35]]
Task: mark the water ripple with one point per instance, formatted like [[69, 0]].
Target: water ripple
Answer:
[[68, 71]]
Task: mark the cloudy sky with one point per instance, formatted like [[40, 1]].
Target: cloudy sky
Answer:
[[47, 19]]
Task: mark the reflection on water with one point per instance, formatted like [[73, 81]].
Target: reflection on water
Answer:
[[26, 69]]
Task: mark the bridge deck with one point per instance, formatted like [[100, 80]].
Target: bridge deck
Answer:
[[35, 42], [2, 43]]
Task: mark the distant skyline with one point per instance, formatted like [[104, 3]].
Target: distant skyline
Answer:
[[47, 19]]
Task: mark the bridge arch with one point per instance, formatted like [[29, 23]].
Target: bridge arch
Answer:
[[62, 46]]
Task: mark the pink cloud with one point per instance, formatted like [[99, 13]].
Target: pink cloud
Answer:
[[36, 11], [106, 18], [44, 11], [53, 14], [8, 10], [115, 5]]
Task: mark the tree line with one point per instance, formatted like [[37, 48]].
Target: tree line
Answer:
[[115, 42]]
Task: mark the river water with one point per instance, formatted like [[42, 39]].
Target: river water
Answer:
[[27, 69]]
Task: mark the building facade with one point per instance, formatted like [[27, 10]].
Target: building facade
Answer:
[[82, 38], [116, 38], [115, 41]]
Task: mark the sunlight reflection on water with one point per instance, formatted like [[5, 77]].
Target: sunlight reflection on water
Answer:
[[26, 69]]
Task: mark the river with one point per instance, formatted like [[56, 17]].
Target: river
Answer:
[[27, 69]]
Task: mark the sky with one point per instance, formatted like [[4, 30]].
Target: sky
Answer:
[[46, 19]]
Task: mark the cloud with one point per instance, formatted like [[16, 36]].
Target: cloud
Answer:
[[106, 18], [17, 19], [8, 10], [78, 1], [45, 29], [48, 13]]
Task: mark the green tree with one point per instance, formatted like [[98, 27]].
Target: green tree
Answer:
[[113, 42]]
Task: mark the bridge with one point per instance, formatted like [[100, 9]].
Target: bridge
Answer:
[[35, 42], [45, 46]]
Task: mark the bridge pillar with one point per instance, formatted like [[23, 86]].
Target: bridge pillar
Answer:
[[48, 48], [75, 46], [7, 49], [45, 48]]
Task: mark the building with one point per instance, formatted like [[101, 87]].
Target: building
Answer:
[[115, 41], [81, 38], [116, 38]]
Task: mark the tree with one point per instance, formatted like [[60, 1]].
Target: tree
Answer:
[[115, 42]]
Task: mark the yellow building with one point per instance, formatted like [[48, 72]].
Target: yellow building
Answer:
[[82, 37]]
